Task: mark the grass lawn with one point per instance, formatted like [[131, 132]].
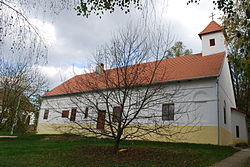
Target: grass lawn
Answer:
[[32, 150]]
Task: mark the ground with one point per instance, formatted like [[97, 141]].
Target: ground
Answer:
[[74, 151], [247, 164]]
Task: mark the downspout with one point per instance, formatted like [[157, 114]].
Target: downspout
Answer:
[[218, 108]]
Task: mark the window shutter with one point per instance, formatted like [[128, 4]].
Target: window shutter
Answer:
[[171, 111], [86, 112], [167, 111], [164, 112], [65, 113], [46, 114], [73, 114], [117, 114]]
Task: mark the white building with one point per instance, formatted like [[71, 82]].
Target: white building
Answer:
[[204, 79]]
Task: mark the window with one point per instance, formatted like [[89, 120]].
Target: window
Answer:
[[167, 111], [65, 114], [225, 113], [46, 114], [237, 131], [212, 42], [73, 114], [117, 114], [86, 113]]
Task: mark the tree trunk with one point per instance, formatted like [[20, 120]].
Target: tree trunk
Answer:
[[15, 117], [116, 146]]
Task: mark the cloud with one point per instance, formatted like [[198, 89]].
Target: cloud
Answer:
[[76, 37], [46, 30], [57, 75]]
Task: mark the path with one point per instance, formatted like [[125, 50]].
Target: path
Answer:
[[236, 160], [8, 137]]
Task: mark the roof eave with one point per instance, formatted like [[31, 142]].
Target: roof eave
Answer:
[[200, 34], [155, 83]]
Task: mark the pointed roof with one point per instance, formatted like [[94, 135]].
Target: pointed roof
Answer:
[[211, 27], [180, 68]]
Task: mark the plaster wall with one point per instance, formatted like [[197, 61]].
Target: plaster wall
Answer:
[[195, 104], [239, 119], [226, 96], [219, 43]]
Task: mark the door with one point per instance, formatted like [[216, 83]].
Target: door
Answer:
[[101, 119]]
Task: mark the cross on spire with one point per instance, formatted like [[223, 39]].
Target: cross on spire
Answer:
[[212, 16]]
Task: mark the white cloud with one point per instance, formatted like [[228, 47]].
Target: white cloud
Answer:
[[73, 38], [46, 30], [57, 75]]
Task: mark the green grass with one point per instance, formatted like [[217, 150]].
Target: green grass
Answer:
[[32, 150], [6, 134]]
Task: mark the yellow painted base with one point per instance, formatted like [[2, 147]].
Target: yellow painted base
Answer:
[[225, 137], [238, 141], [189, 134]]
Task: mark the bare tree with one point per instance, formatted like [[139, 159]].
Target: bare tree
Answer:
[[124, 101], [20, 84]]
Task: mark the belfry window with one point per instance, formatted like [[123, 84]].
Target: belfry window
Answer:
[[212, 42]]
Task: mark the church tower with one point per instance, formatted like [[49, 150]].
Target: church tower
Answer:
[[212, 39]]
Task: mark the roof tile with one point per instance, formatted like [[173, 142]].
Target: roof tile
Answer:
[[173, 69], [212, 27]]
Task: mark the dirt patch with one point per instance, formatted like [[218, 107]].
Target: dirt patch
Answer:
[[131, 153], [62, 138]]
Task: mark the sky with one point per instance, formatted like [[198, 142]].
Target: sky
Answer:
[[72, 40]]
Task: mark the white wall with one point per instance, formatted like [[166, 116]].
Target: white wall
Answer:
[[219, 43], [195, 104], [226, 94], [238, 119]]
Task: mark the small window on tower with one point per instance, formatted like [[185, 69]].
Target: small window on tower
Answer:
[[212, 42]]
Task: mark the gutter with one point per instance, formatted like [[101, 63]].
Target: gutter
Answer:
[[218, 99], [218, 109]]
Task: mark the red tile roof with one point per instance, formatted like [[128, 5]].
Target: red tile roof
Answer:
[[173, 69], [212, 27]]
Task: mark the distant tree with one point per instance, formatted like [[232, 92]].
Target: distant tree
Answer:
[[178, 49], [22, 50], [20, 84]]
